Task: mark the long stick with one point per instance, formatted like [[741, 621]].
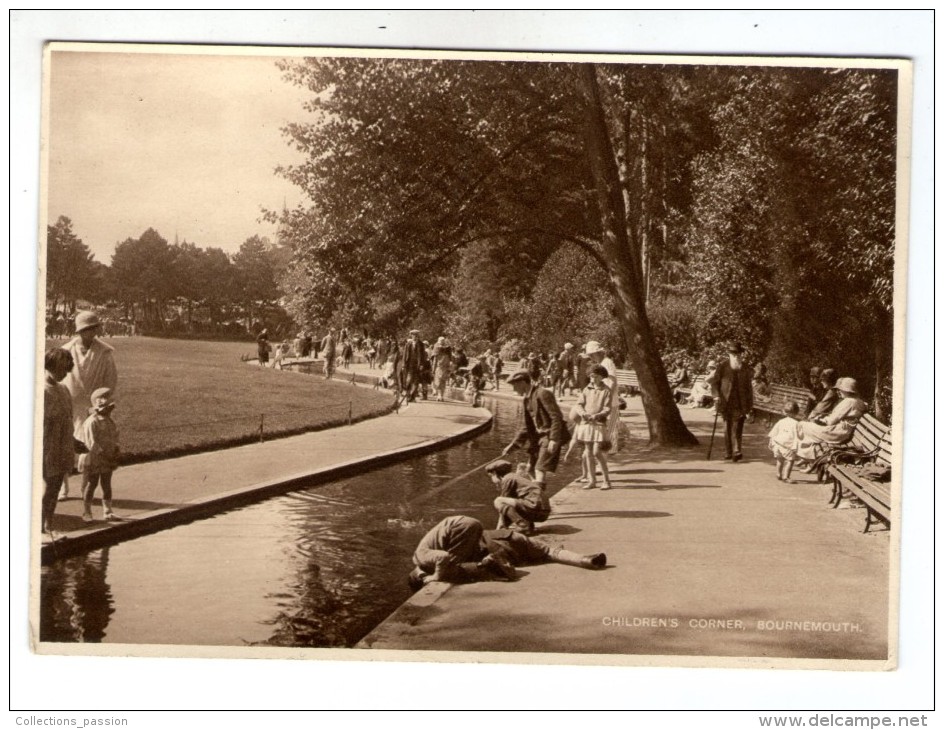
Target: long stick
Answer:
[[442, 487], [712, 442]]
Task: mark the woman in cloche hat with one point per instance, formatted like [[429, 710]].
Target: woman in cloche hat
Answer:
[[837, 427]]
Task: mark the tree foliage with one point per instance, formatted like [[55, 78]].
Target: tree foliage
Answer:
[[71, 272]]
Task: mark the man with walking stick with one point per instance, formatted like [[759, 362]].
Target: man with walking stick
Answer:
[[734, 398]]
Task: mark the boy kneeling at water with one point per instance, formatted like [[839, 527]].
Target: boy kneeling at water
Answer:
[[521, 503], [460, 550]]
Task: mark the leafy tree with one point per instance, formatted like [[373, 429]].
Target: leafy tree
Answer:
[[255, 275], [793, 219], [71, 271], [569, 301], [409, 162], [143, 273]]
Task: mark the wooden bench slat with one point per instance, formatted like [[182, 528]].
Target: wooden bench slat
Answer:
[[880, 492], [875, 495]]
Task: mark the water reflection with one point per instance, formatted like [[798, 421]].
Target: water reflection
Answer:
[[79, 599], [315, 568]]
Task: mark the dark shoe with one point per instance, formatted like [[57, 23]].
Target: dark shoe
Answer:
[[738, 457], [598, 560]]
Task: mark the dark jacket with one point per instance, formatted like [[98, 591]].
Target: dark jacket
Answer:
[[723, 384], [515, 486], [542, 419], [825, 406]]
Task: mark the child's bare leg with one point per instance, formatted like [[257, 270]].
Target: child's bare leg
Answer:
[[787, 469], [779, 460], [600, 455], [588, 465], [89, 483]]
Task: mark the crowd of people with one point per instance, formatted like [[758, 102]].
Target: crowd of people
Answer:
[[81, 382]]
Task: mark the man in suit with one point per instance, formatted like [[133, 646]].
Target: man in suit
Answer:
[[413, 366], [544, 428], [734, 398]]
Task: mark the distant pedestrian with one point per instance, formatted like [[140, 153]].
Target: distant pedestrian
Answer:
[[582, 368], [281, 352], [329, 351], [413, 366], [568, 369], [476, 381], [263, 348], [100, 436], [58, 445], [383, 349], [443, 367]]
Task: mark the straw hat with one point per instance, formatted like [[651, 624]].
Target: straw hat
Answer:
[[847, 385], [101, 399], [86, 320], [593, 347]]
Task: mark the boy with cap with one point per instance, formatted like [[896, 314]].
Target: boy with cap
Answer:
[[521, 502], [100, 436], [544, 428]]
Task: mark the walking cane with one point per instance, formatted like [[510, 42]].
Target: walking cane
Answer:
[[712, 442]]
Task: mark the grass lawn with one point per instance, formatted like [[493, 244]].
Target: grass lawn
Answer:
[[182, 396]]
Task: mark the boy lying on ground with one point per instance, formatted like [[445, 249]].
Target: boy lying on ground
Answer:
[[460, 550]]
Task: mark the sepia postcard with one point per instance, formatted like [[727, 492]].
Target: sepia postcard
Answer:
[[296, 304]]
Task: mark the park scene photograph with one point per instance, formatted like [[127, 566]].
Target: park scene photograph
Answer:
[[470, 356]]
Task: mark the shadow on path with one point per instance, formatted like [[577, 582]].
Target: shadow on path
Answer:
[[663, 487], [628, 514]]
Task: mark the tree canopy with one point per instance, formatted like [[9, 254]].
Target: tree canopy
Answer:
[[752, 196]]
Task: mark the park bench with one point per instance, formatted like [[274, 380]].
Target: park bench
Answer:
[[855, 468], [780, 397], [627, 382], [685, 391]]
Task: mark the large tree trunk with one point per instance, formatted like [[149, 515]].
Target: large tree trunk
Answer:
[[624, 264]]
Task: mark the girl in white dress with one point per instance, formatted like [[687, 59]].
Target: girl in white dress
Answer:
[[594, 408]]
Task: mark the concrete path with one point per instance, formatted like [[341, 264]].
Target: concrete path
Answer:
[[160, 494], [706, 559]]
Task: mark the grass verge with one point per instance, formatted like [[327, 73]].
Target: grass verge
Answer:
[[178, 397]]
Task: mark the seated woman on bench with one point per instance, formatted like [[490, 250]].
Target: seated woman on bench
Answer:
[[700, 396], [837, 427]]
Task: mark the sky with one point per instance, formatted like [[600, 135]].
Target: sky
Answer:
[[184, 144]]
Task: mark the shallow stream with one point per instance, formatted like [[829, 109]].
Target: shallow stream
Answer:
[[318, 567]]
